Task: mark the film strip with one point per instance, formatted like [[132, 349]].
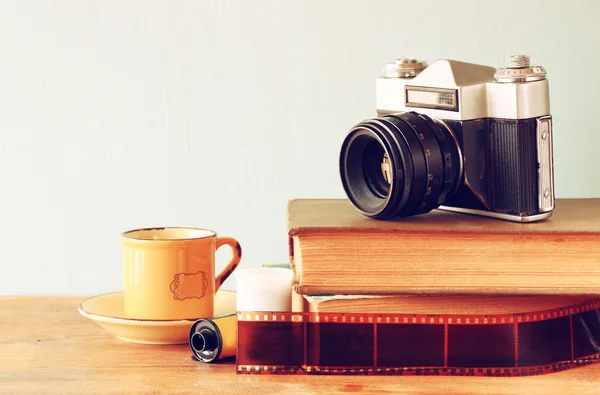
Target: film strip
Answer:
[[519, 344]]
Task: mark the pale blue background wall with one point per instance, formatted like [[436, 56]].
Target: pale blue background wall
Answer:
[[124, 114]]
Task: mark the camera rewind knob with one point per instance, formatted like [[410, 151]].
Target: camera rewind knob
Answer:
[[519, 69], [403, 68], [518, 61]]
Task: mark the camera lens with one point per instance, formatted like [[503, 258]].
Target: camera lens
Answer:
[[399, 165]]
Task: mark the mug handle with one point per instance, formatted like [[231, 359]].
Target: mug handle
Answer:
[[235, 261]]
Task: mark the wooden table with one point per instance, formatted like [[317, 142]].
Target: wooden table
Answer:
[[47, 347]]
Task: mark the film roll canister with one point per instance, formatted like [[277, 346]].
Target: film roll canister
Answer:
[[213, 339], [264, 289]]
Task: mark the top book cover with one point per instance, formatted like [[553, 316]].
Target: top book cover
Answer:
[[314, 215]]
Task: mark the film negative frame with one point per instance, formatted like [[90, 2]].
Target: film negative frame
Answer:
[[519, 344]]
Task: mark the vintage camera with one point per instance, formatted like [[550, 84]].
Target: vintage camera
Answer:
[[455, 136]]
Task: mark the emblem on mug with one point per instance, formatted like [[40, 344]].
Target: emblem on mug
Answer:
[[189, 285]]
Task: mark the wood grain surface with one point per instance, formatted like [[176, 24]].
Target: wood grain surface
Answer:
[[47, 347]]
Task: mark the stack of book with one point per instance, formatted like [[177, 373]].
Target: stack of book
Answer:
[[441, 262]]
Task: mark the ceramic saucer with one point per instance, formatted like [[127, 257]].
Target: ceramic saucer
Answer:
[[107, 311]]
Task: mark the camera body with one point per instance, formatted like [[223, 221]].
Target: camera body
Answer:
[[456, 136]]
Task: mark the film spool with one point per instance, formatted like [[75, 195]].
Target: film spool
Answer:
[[213, 339], [516, 344]]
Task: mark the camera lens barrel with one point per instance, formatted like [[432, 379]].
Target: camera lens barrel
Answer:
[[424, 165]]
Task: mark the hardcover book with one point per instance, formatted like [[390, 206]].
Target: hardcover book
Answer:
[[334, 249]]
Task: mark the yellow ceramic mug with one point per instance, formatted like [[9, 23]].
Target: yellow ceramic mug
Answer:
[[169, 273]]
